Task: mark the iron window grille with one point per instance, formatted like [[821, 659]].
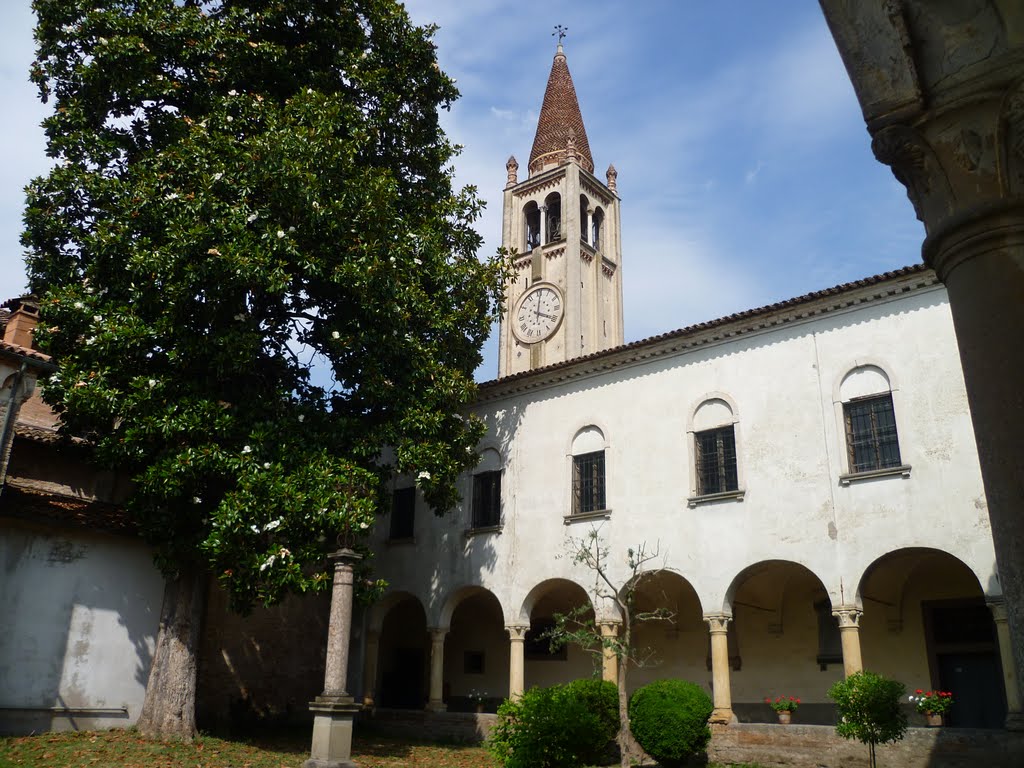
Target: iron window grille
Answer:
[[588, 482], [403, 509], [487, 499], [871, 439], [716, 461]]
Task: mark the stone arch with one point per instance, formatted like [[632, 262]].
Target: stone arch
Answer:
[[584, 219], [476, 649], [403, 661], [543, 666], [925, 622], [553, 218], [531, 226], [597, 228]]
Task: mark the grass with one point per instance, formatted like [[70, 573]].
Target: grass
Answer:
[[127, 749]]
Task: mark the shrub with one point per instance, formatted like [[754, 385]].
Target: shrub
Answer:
[[556, 727], [602, 698], [669, 719], [868, 708]]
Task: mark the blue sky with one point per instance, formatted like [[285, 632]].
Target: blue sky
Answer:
[[745, 170]]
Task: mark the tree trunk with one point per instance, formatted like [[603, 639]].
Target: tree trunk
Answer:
[[629, 750], [169, 711]]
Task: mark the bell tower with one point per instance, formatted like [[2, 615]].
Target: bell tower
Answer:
[[562, 225]]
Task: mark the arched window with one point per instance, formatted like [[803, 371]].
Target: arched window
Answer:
[[531, 226], [554, 218], [584, 205], [869, 419], [716, 463], [596, 225], [486, 512], [588, 471]]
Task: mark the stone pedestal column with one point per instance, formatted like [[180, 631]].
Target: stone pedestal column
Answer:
[[849, 633], [334, 709], [516, 660], [609, 659], [370, 669], [1014, 714], [722, 694], [436, 701], [940, 86]]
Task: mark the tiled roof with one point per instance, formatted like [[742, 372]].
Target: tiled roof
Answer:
[[32, 354], [749, 318], [559, 119], [39, 506]]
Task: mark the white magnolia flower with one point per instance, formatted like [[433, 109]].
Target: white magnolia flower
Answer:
[[309, 90], [417, 262], [268, 562], [266, 465], [79, 305], [316, 205], [218, 176], [272, 525], [364, 525], [90, 341], [424, 475], [171, 196], [102, 41], [230, 119], [232, 92], [152, 383], [97, 318], [280, 234], [291, 229], [302, 418], [252, 218], [254, 529], [246, 449], [196, 500], [284, 552], [335, 335]]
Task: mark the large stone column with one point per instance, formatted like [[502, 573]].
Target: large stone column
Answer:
[[334, 709], [1014, 713], [722, 694], [516, 660], [436, 701], [370, 669], [609, 658], [941, 86], [849, 634]]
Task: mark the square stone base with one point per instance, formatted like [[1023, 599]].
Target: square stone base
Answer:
[[332, 733]]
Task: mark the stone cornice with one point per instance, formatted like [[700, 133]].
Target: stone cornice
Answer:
[[722, 330]]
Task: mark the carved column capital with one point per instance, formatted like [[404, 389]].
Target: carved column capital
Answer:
[[848, 616], [998, 607], [717, 622], [437, 634], [517, 632]]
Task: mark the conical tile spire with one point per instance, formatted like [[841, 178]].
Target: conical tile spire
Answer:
[[560, 125]]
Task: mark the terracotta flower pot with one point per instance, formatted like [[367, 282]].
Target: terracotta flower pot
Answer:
[[785, 716], [933, 720]]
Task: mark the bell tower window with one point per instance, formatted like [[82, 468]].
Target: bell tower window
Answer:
[[531, 224], [596, 225], [554, 217], [584, 205]]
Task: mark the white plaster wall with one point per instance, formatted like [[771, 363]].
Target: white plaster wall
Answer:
[[81, 614], [783, 383]]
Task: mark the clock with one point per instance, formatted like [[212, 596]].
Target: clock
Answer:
[[538, 313]]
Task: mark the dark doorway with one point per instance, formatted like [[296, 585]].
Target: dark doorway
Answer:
[[402, 680], [965, 661]]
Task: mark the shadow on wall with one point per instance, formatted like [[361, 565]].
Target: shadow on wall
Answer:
[[83, 611]]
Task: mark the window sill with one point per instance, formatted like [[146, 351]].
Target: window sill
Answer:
[[471, 532], [582, 517], [855, 477], [407, 541], [711, 498]]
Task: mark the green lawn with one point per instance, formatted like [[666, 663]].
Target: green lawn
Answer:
[[126, 749]]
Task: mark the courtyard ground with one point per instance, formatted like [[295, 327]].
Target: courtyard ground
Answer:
[[126, 749]]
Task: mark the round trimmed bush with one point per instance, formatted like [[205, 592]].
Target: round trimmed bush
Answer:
[[556, 727], [669, 719], [602, 698]]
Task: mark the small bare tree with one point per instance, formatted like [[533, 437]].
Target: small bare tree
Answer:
[[583, 630]]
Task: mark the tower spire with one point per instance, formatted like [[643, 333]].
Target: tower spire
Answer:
[[560, 121]]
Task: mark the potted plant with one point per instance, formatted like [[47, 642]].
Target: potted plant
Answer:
[[932, 704], [784, 707], [478, 698]]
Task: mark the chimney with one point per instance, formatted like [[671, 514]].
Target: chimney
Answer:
[[22, 323]]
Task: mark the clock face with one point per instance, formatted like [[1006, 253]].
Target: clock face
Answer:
[[538, 314]]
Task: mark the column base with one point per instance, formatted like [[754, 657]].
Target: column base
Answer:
[[436, 706], [1015, 721], [332, 732], [722, 716]]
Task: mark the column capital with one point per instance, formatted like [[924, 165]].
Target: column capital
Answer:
[[344, 556], [517, 632], [437, 634], [609, 627], [998, 607], [718, 623], [848, 616]]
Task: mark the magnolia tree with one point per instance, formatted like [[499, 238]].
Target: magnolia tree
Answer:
[[255, 272]]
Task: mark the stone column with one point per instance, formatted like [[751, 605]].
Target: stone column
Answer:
[[1014, 714], [849, 633], [939, 83], [516, 660], [609, 658], [334, 709], [436, 701], [543, 225], [370, 669], [718, 626]]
